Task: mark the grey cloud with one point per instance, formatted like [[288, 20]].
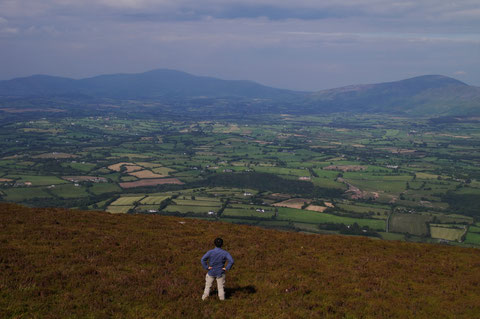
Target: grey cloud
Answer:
[[294, 44]]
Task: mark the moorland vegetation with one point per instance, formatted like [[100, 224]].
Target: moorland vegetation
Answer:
[[57, 263]]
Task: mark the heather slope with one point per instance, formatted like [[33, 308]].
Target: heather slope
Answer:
[[58, 263]]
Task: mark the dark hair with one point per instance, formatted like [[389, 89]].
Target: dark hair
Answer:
[[218, 242]]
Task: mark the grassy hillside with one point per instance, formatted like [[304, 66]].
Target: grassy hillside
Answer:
[[73, 264]]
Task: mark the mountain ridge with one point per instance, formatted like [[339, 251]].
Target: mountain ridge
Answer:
[[151, 84], [425, 95]]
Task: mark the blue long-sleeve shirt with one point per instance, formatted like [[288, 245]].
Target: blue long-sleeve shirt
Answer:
[[217, 258]]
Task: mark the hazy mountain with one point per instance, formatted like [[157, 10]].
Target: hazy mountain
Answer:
[[150, 85], [423, 95], [430, 95]]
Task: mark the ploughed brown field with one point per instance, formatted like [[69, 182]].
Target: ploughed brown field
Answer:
[[57, 263], [150, 182], [146, 174], [293, 203]]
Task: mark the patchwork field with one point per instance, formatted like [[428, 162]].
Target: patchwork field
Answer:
[[380, 176]]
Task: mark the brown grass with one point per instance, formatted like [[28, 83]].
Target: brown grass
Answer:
[[146, 174], [316, 208], [151, 182], [57, 263], [132, 168], [293, 203], [117, 167]]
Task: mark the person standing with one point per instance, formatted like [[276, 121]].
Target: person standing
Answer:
[[216, 268]]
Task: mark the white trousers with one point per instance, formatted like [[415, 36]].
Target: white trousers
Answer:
[[220, 284]]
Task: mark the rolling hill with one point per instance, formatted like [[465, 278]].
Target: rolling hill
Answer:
[[423, 95], [59, 263], [429, 95], [154, 84]]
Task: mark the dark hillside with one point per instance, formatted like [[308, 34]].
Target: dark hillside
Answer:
[[57, 263]]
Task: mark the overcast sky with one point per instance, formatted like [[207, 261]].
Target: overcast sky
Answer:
[[301, 44]]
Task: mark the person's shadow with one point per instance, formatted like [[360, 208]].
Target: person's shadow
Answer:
[[239, 291]]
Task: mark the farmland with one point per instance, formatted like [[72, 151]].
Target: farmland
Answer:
[[387, 177]]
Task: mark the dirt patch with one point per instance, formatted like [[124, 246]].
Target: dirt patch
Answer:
[[146, 174], [356, 193], [293, 203], [151, 182], [316, 208], [346, 168]]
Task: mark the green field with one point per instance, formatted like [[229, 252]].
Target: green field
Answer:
[[188, 202], [127, 200], [69, 191], [152, 200], [38, 180], [232, 212], [118, 209], [190, 209], [101, 188], [392, 236], [23, 194], [472, 238], [304, 216], [414, 224], [447, 233]]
